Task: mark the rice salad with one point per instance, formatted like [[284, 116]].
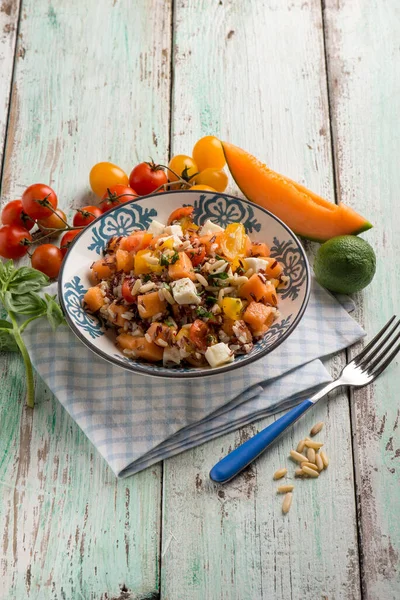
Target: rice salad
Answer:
[[181, 294]]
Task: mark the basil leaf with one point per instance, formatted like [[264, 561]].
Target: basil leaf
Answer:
[[25, 304], [6, 270], [26, 279], [7, 342], [54, 313], [5, 324]]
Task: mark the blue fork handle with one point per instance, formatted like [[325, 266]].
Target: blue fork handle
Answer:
[[238, 459]]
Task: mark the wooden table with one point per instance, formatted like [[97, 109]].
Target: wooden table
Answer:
[[313, 89]]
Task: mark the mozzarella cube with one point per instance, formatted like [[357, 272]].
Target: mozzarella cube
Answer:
[[256, 264], [156, 228], [177, 242], [209, 228], [184, 291], [175, 230], [219, 355]]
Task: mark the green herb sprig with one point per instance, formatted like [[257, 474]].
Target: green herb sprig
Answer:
[[19, 296]]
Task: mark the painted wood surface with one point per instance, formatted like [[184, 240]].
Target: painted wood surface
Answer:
[[254, 73], [261, 85], [9, 13], [364, 79], [91, 83]]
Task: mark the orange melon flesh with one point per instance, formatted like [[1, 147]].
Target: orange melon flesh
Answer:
[[306, 213]]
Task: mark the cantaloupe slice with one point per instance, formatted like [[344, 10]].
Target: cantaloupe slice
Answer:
[[307, 214]]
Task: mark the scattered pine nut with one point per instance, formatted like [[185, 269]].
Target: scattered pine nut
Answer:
[[287, 501], [311, 455], [283, 489], [280, 473], [316, 429], [310, 465], [297, 456], [310, 472], [324, 459], [319, 462], [300, 446], [314, 445], [298, 472]]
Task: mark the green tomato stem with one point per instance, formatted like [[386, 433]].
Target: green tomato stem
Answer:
[[30, 385]]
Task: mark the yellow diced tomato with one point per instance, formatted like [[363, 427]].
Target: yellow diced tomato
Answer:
[[142, 267], [234, 241], [232, 308]]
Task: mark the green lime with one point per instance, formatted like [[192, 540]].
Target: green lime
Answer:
[[345, 264]]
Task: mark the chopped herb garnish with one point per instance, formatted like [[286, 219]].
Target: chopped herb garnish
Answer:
[[169, 323], [240, 271], [146, 278], [211, 339], [202, 312], [222, 275], [211, 299], [218, 257], [174, 258], [164, 262]]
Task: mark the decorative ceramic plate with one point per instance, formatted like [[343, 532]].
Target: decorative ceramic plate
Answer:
[[221, 209]]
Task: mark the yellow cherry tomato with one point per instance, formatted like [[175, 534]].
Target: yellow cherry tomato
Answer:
[[214, 178], [233, 242], [182, 165], [104, 175], [205, 188], [208, 152], [232, 308]]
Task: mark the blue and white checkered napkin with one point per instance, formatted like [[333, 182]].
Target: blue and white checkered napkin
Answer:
[[135, 421]]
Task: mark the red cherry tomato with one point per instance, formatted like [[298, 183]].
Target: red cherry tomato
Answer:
[[126, 291], [47, 258], [198, 333], [86, 215], [14, 241], [115, 195], [147, 177], [197, 255], [13, 214], [67, 239], [136, 241], [36, 198]]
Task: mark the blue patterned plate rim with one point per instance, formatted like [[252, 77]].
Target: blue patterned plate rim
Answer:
[[142, 368]]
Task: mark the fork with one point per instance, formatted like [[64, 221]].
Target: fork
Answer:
[[363, 369]]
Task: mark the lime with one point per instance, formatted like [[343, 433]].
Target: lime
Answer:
[[345, 264]]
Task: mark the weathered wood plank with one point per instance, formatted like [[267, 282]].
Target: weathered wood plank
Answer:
[[9, 13], [364, 75], [254, 73], [97, 89]]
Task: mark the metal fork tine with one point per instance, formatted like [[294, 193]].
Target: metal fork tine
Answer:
[[372, 343], [373, 353], [387, 362], [370, 367]]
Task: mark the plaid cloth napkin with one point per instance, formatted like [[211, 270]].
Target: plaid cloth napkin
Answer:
[[135, 421]]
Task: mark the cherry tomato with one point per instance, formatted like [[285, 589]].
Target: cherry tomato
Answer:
[[13, 214], [67, 239], [208, 152], [180, 213], [126, 291], [36, 198], [86, 215], [103, 175], [212, 177], [14, 241], [136, 241], [198, 333], [205, 188], [116, 195], [147, 177], [56, 221], [182, 165], [47, 258], [197, 255], [234, 241]]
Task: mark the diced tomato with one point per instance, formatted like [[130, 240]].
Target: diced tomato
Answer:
[[180, 213], [198, 334], [136, 241], [126, 291], [197, 255]]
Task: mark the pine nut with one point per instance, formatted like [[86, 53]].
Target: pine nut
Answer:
[[298, 472], [297, 456], [300, 446], [314, 445], [287, 501], [310, 472], [280, 473], [311, 455], [319, 462], [283, 489], [310, 465], [316, 429], [325, 459]]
